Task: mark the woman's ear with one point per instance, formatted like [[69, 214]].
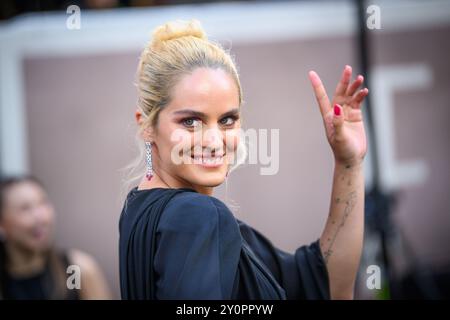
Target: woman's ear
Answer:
[[138, 116], [146, 133]]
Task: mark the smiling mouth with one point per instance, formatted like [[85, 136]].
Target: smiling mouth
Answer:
[[208, 161], [38, 233]]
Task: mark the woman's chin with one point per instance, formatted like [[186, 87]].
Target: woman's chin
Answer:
[[209, 177], [37, 246]]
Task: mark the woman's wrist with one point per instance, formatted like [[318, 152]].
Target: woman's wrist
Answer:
[[349, 164]]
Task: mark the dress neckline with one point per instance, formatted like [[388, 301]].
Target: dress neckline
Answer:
[[135, 189]]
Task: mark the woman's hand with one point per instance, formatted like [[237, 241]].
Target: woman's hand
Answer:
[[343, 117]]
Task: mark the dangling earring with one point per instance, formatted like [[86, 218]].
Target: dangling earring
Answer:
[[148, 152]]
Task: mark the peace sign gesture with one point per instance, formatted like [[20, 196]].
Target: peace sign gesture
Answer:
[[343, 116]]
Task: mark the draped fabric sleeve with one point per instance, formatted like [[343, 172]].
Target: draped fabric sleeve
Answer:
[[303, 275], [198, 248]]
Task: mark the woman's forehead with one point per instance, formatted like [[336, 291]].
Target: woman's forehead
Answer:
[[204, 87], [22, 191]]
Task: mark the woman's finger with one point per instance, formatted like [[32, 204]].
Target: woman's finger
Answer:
[[353, 115], [345, 80], [358, 98], [338, 120], [354, 86], [320, 93]]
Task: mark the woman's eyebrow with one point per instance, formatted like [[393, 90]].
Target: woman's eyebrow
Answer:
[[232, 112], [194, 113], [189, 112]]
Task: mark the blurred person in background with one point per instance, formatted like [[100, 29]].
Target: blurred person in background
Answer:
[[30, 267]]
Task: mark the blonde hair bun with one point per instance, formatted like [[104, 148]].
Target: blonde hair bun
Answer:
[[178, 29]]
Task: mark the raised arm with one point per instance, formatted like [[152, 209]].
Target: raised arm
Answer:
[[342, 239]]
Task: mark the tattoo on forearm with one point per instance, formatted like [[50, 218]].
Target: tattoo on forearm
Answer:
[[350, 202]]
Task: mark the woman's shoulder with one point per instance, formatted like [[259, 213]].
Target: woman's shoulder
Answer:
[[93, 282], [191, 209], [195, 200]]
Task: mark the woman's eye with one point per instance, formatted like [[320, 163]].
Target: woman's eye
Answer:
[[24, 208], [191, 122], [227, 121]]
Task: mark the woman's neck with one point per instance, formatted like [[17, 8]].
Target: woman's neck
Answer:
[[22, 262], [163, 180]]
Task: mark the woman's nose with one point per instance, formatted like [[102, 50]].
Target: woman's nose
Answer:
[[40, 214], [213, 139]]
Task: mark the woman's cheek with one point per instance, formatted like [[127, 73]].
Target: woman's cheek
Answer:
[[18, 226], [50, 215], [232, 139], [181, 142]]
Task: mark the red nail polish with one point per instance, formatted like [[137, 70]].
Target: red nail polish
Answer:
[[337, 110]]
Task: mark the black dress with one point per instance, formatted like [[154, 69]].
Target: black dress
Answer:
[[181, 244], [38, 286]]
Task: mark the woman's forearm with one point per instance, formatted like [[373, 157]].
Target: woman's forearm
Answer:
[[342, 239]]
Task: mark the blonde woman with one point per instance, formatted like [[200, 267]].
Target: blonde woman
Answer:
[[177, 241]]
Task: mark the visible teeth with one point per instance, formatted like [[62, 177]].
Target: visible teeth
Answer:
[[214, 160]]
